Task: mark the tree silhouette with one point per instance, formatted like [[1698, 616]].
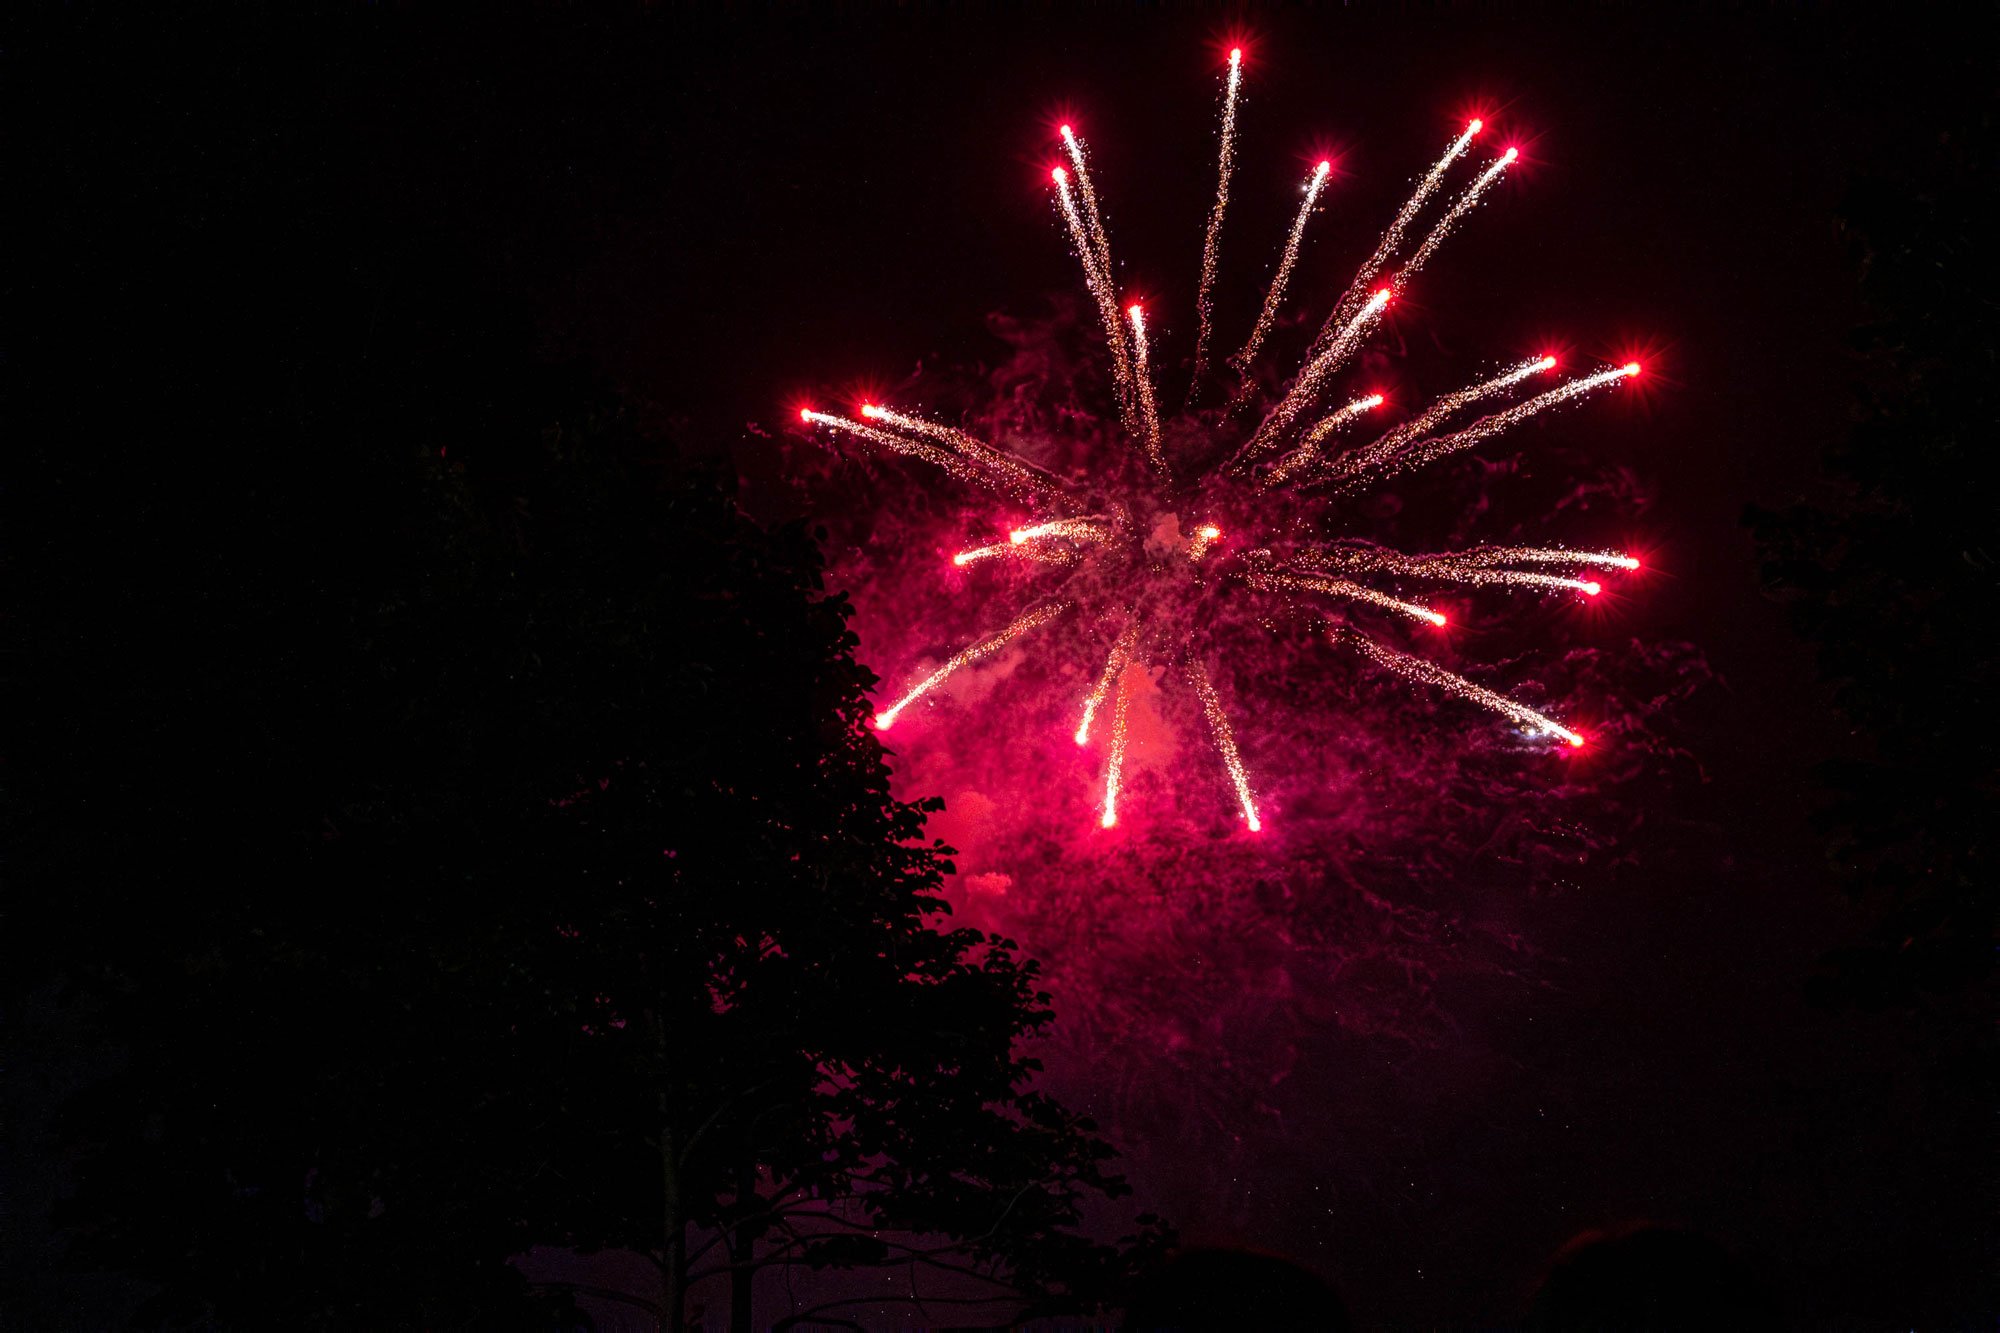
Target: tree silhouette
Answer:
[[498, 856]]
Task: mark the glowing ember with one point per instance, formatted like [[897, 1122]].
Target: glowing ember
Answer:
[[1115, 543]]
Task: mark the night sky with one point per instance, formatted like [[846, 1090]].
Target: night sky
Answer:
[[726, 217]]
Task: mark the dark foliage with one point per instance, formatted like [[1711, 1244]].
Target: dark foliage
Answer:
[[460, 823]]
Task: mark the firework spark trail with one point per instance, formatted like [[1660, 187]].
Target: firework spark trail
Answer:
[[1097, 277], [1308, 451], [1312, 379], [1419, 671], [1092, 217], [1542, 555], [1465, 204], [1203, 539], [1096, 530], [1040, 615], [1026, 475], [1142, 375], [1225, 743], [1114, 669], [1427, 450], [1114, 768], [1444, 568], [1212, 243], [1047, 555], [1286, 262], [959, 467], [1301, 581], [1431, 416], [1393, 237]]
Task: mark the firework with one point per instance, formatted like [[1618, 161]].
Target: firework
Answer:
[[1450, 568], [1114, 668], [1100, 244], [1415, 453], [1392, 239], [1212, 242], [1095, 530], [944, 458], [1423, 672], [1013, 550], [1301, 581], [1544, 555], [1309, 447], [1312, 379], [1149, 410], [1130, 560], [1435, 415], [1286, 262], [1018, 472], [1095, 253], [1041, 615], [1114, 765], [1464, 204], [1225, 743], [969, 461]]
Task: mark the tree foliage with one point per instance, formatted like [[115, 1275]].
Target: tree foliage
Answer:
[[496, 855]]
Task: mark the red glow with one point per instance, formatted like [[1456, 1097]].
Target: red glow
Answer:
[[1592, 589], [1235, 55], [1325, 165], [883, 722], [1065, 131], [1476, 126], [1136, 311], [1256, 824], [869, 409], [1630, 367], [805, 414], [1576, 741], [1059, 175], [1510, 155]]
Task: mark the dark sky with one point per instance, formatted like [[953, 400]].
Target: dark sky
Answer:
[[724, 215]]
